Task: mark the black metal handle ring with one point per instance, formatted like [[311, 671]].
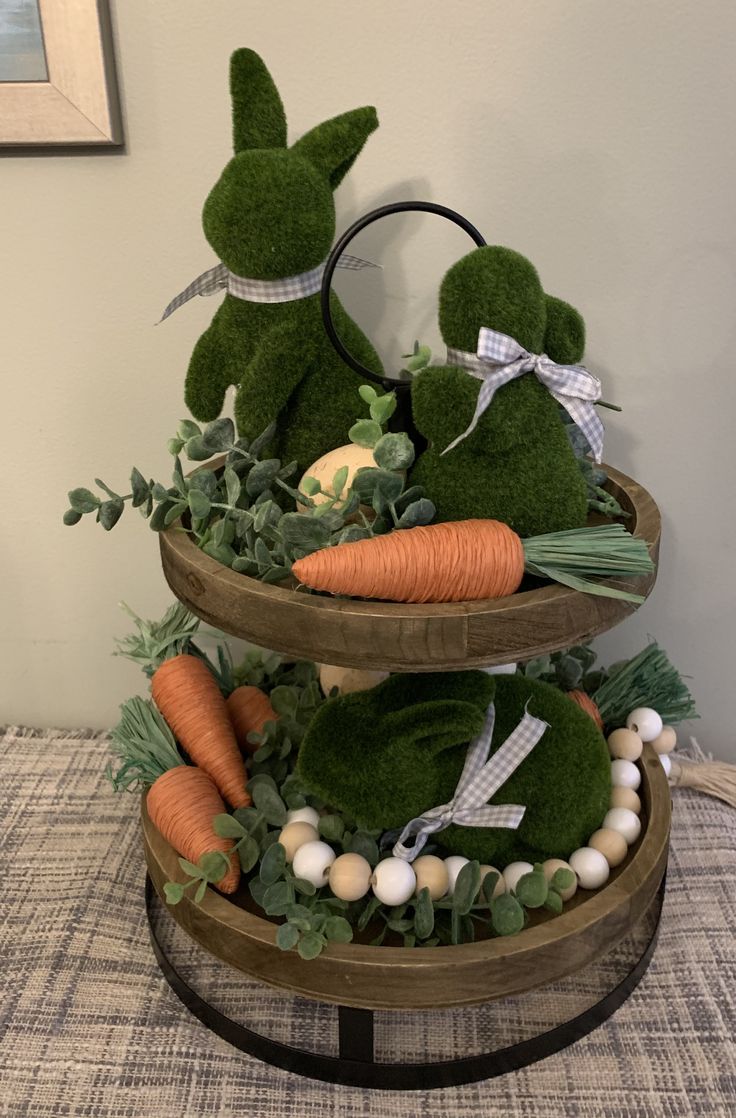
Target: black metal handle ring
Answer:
[[340, 247]]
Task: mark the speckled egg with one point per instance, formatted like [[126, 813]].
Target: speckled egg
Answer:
[[550, 868], [350, 877], [590, 866], [625, 774], [431, 873], [611, 844], [324, 469], [625, 745], [666, 741], [296, 834], [625, 797], [347, 680]]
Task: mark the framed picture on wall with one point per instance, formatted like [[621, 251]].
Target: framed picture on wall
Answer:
[[57, 74]]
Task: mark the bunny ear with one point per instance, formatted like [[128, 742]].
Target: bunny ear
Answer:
[[564, 336], [334, 146], [258, 113], [437, 725]]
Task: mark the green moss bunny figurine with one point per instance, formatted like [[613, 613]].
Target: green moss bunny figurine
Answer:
[[271, 216], [387, 755], [517, 465]]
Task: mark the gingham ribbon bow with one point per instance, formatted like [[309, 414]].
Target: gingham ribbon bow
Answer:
[[284, 290], [500, 359], [479, 780]]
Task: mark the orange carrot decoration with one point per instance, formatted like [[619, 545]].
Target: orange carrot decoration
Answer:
[[587, 704], [249, 709], [187, 694], [471, 559], [182, 800]]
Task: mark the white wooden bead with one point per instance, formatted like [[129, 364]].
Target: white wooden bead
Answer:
[[303, 815], [590, 867], [666, 741], [431, 873], [513, 872], [295, 835], [312, 862], [612, 845], [666, 763], [625, 774], [499, 887], [453, 865], [550, 868], [350, 877], [625, 797], [625, 745], [622, 820], [393, 881], [646, 722]]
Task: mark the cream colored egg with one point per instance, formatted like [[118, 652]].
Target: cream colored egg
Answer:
[[500, 886], [350, 877], [431, 873], [324, 469], [626, 797], [295, 835], [611, 844], [666, 741], [347, 680], [551, 866], [625, 744]]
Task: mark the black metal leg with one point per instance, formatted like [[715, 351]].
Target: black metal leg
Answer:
[[355, 1033], [355, 1066]]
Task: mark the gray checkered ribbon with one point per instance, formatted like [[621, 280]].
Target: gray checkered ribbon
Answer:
[[479, 780], [500, 359], [284, 290]]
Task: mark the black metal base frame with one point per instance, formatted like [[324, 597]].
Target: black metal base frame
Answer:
[[355, 1065]]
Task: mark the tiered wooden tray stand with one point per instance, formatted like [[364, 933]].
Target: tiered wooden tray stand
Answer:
[[356, 977]]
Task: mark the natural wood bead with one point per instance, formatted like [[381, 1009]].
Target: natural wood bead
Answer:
[[500, 886], [625, 745], [611, 844], [431, 873], [626, 797], [295, 835], [551, 866], [666, 741], [350, 877]]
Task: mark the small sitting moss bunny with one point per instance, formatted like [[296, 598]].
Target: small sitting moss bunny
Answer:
[[386, 755], [517, 465], [270, 216]]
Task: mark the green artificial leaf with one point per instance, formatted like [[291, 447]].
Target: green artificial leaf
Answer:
[[338, 481], [72, 517], [174, 513], [310, 945], [372, 906], [338, 930], [365, 844], [287, 937], [261, 476], [190, 868], [173, 892], [331, 828], [214, 865], [284, 701], [310, 486], [197, 450], [306, 888], [187, 429], [417, 513], [223, 553], [277, 896], [352, 533], [569, 672], [394, 451], [199, 503], [367, 393], [248, 853], [273, 864], [159, 492], [139, 487], [200, 891], [507, 915], [562, 879], [270, 804], [299, 530], [531, 889], [388, 487], [177, 477], [423, 914], [257, 890], [553, 902], [489, 883], [205, 481], [467, 887], [382, 408], [82, 500], [175, 446], [227, 826], [219, 435], [366, 432], [232, 485]]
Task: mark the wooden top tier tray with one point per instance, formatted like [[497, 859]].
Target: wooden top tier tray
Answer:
[[398, 637]]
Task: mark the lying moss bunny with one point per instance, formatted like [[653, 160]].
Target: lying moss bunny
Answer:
[[386, 755], [271, 215], [517, 465]]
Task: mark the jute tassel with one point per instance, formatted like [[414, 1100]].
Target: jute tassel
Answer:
[[714, 778]]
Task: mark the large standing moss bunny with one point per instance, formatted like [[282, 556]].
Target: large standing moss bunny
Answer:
[[387, 755], [517, 465], [270, 216]]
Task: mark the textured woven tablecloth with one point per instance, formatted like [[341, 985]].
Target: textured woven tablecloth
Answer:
[[88, 1027]]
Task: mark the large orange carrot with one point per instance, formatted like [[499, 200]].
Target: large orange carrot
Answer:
[[186, 693], [182, 803], [471, 559], [584, 701], [249, 709]]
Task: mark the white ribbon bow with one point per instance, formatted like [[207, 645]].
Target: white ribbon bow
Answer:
[[479, 780], [501, 359]]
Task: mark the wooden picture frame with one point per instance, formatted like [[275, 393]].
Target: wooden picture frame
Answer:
[[78, 103]]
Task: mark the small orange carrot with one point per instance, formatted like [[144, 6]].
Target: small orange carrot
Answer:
[[468, 560], [587, 704], [182, 803], [249, 709], [187, 695]]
